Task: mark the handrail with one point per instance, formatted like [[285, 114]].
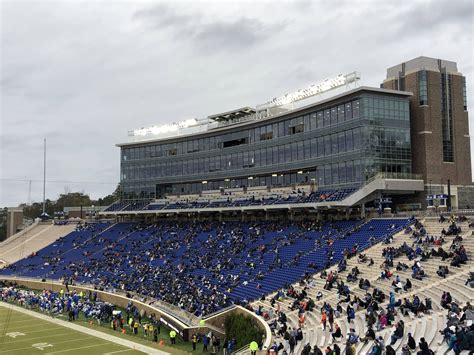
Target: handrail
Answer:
[[242, 350], [19, 234], [383, 175]]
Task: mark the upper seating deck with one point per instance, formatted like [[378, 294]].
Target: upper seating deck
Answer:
[[229, 201]]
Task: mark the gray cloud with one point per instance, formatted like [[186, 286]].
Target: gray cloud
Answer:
[[424, 17], [208, 34], [162, 16]]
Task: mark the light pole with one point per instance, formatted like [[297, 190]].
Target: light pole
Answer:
[[44, 177]]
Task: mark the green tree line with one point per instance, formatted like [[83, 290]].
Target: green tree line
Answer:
[[72, 199]]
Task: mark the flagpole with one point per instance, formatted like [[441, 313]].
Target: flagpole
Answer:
[[44, 177]]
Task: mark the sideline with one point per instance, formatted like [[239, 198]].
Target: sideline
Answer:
[[79, 328]]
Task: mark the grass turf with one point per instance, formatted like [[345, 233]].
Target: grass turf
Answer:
[[180, 347], [41, 331], [24, 334]]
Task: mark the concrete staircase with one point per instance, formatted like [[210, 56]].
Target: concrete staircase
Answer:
[[36, 238], [432, 286]]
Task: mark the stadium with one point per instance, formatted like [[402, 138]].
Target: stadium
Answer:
[[333, 219]]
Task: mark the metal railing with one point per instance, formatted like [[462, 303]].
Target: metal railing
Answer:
[[381, 175]]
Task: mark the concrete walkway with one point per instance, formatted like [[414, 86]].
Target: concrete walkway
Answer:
[[79, 328]]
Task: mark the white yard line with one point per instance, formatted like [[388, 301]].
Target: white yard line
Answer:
[[88, 331], [36, 331], [15, 322], [118, 351], [55, 343], [22, 339], [80, 348]]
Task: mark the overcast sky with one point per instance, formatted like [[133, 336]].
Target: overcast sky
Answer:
[[82, 74]]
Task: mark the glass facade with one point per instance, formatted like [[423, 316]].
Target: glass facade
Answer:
[[423, 87], [340, 144], [464, 93], [447, 117]]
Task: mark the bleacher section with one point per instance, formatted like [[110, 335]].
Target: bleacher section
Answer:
[[262, 199], [200, 267], [432, 286], [23, 244], [117, 206]]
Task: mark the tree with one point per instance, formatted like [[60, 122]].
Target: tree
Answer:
[[109, 199], [69, 199], [36, 208], [72, 199], [3, 224]]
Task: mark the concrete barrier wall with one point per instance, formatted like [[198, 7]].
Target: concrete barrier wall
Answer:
[[219, 319], [118, 300], [213, 323]]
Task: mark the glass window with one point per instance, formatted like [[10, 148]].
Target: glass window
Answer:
[[281, 154], [357, 170], [355, 109], [294, 151], [300, 151], [306, 123], [281, 129], [327, 174], [320, 175], [334, 174], [320, 119], [257, 134], [333, 115], [423, 87], [349, 171], [307, 148], [342, 172], [296, 129], [313, 121], [464, 93], [340, 113], [349, 145], [348, 111], [240, 160], [356, 138], [313, 148], [341, 137], [275, 155], [234, 160], [320, 146], [287, 152], [334, 144], [275, 130], [327, 145], [269, 154], [327, 117]]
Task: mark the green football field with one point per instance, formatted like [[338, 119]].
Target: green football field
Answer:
[[24, 334]]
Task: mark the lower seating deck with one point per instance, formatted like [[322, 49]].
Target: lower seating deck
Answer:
[[211, 264]]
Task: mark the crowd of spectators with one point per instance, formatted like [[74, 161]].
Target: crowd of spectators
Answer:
[[381, 310], [195, 266]]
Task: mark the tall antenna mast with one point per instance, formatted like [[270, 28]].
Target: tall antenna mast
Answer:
[[44, 178]]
